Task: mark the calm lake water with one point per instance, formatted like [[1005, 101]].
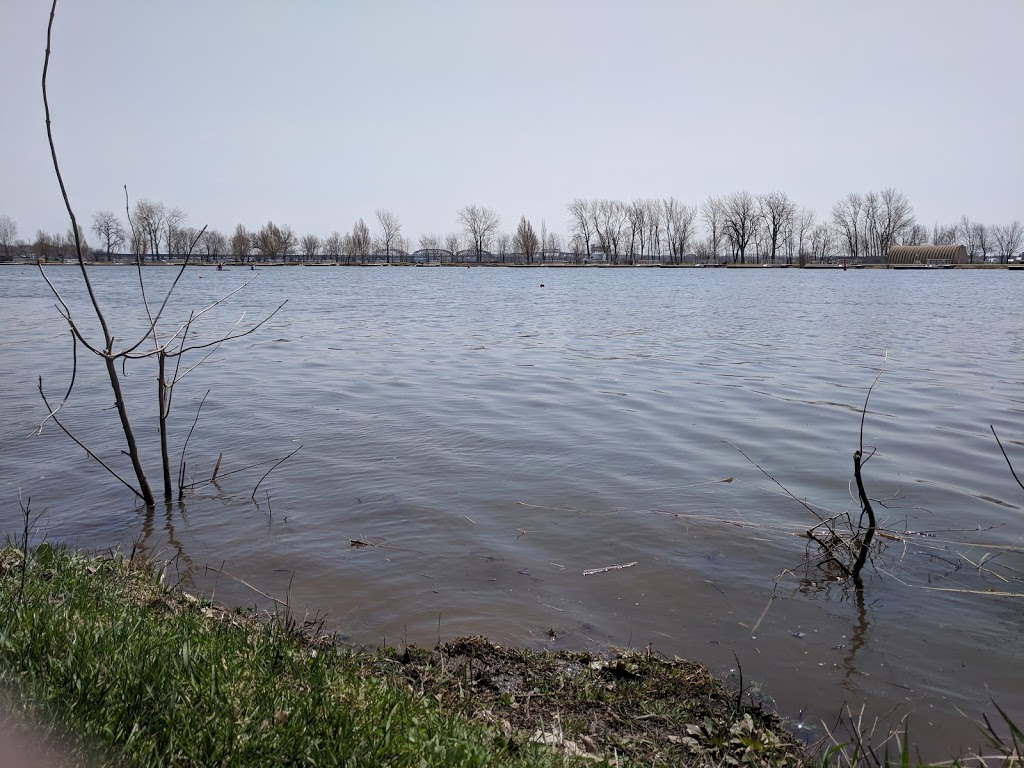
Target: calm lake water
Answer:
[[492, 439]]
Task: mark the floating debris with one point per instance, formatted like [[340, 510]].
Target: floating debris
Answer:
[[592, 571]]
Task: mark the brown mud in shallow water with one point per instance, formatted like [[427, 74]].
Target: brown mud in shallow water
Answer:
[[632, 705]]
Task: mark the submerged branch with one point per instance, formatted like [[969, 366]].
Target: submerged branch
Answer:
[[279, 463], [789, 493], [181, 464]]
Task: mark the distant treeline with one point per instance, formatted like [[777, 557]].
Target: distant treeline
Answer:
[[736, 228]]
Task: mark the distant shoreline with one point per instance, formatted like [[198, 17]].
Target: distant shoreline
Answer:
[[268, 265]]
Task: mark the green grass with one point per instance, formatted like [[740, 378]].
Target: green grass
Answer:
[[115, 669]]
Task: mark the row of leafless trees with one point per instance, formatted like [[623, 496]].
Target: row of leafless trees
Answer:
[[738, 227], [770, 227], [983, 242]]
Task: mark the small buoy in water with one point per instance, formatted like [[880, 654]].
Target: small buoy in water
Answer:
[[542, 285]]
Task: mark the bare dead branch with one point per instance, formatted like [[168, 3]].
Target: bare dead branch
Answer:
[[279, 463], [181, 465], [1000, 444], [177, 367], [144, 490], [71, 385], [196, 315], [138, 267], [799, 501], [65, 312], [151, 330], [864, 410], [245, 583], [865, 501], [60, 179], [82, 445], [203, 484], [231, 337]]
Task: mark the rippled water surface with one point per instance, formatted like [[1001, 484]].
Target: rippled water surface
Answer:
[[492, 438]]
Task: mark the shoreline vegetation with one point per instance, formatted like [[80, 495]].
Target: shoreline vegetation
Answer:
[[104, 663], [178, 262], [113, 666]]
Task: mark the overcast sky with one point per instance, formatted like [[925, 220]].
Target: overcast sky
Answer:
[[316, 113]]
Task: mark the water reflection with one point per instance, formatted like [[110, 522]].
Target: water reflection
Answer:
[[149, 543], [858, 638]]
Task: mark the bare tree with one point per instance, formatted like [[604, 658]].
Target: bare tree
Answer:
[[334, 245], [552, 245], [680, 227], [172, 347], [503, 241], [176, 235], [43, 245], [823, 243], [916, 235], [580, 227], [804, 226], [966, 232], [148, 218], [888, 216], [390, 231], [274, 242], [74, 236], [981, 237], [8, 234], [636, 222], [480, 225], [1008, 240], [608, 221], [777, 212], [713, 213], [945, 235], [740, 222], [241, 244], [430, 242], [108, 228], [846, 215], [138, 243], [452, 242], [187, 241], [526, 241], [311, 245], [359, 242], [653, 221], [213, 244]]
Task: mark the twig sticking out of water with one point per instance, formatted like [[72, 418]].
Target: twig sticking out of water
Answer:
[[865, 502], [999, 442], [843, 543], [278, 464]]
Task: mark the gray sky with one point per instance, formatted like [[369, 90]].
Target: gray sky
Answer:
[[316, 113]]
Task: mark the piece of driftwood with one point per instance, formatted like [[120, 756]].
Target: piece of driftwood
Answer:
[[592, 571]]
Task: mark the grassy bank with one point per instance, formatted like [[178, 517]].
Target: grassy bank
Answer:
[[112, 667]]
